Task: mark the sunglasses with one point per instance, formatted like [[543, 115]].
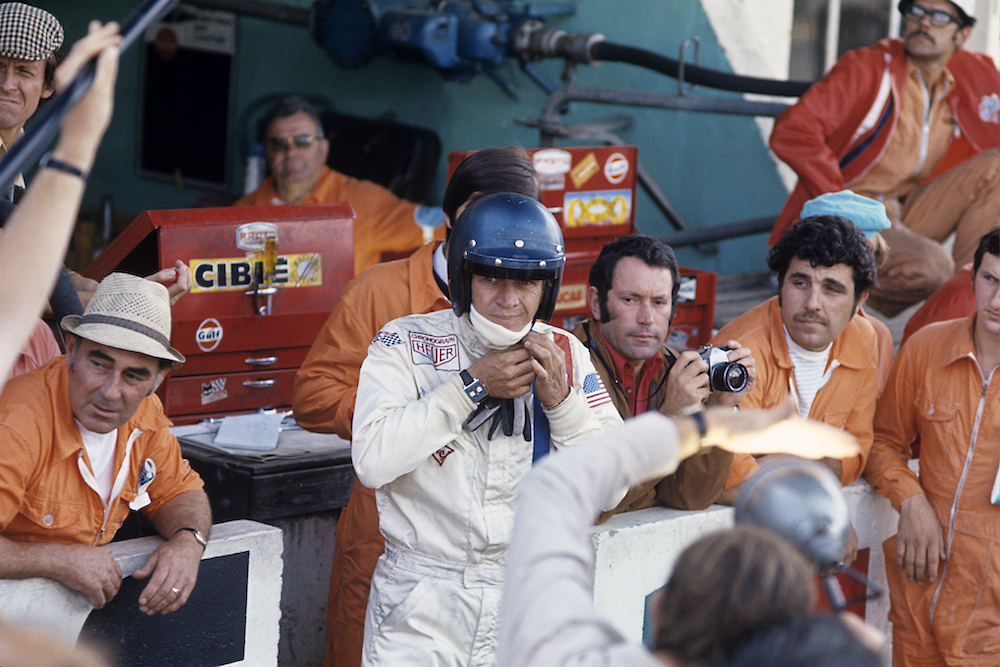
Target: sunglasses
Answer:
[[281, 144], [939, 19]]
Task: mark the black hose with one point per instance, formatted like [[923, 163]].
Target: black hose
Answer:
[[609, 51]]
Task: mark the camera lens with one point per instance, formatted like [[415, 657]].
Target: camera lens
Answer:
[[735, 377], [729, 376]]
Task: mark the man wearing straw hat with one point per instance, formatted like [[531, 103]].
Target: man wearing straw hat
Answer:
[[85, 441]]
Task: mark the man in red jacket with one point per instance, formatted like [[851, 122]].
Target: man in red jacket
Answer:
[[914, 123]]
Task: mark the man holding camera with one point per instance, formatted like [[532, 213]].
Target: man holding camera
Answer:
[[810, 342], [632, 297]]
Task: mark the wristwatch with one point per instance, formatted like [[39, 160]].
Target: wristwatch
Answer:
[[198, 536], [474, 388]]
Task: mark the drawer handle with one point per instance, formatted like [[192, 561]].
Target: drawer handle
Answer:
[[259, 383], [261, 361]]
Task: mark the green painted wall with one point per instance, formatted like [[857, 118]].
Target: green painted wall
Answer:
[[715, 168]]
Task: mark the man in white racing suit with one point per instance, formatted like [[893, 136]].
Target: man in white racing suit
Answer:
[[452, 409]]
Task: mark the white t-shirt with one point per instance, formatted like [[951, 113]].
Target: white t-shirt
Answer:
[[101, 451], [810, 374]]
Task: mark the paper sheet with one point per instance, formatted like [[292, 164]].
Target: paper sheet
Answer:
[[257, 431]]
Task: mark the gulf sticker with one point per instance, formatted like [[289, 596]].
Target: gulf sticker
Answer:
[[240, 273], [584, 170], [572, 297], [209, 334], [552, 161], [616, 168], [602, 207]]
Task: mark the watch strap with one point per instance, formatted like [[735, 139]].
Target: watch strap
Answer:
[[474, 388], [198, 536]]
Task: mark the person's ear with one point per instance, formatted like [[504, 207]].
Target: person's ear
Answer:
[[961, 36], [861, 301], [594, 303]]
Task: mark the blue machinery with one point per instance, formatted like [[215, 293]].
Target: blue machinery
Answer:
[[463, 38]]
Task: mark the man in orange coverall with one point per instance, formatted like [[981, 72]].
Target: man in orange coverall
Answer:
[[944, 392], [296, 153], [327, 382]]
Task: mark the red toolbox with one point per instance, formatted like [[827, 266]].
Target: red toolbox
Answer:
[[242, 345], [591, 191]]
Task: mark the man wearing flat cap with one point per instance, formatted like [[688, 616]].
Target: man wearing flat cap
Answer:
[[85, 441], [29, 38]]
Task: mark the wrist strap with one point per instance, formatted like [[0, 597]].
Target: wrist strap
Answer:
[[49, 162], [699, 419]]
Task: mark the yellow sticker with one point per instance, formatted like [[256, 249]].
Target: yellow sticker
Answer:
[[584, 169], [242, 273], [597, 208]]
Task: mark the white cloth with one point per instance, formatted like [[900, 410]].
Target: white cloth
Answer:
[[444, 494], [809, 372], [496, 336], [101, 452], [547, 615]]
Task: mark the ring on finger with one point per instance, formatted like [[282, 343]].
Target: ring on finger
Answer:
[[176, 591]]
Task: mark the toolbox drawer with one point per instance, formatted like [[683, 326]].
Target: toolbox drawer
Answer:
[[237, 362], [194, 395]]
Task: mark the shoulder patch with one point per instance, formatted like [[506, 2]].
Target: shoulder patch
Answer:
[[594, 390], [989, 108], [387, 338], [438, 351]]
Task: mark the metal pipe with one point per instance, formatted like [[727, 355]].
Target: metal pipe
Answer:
[[639, 98], [832, 34], [718, 232], [257, 9]]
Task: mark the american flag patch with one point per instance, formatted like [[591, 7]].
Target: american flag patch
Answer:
[[387, 338], [594, 390]]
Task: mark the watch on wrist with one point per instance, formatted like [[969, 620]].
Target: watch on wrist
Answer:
[[474, 388], [198, 536]]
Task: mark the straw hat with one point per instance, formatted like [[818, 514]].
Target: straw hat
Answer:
[[28, 33], [127, 313]]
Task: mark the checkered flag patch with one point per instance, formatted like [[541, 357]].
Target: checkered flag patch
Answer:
[[387, 338], [213, 386]]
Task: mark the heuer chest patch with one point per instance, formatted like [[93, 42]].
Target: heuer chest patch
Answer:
[[438, 351]]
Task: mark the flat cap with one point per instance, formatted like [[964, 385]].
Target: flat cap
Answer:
[[28, 33]]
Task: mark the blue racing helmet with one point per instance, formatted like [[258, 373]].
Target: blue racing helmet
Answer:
[[505, 235]]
